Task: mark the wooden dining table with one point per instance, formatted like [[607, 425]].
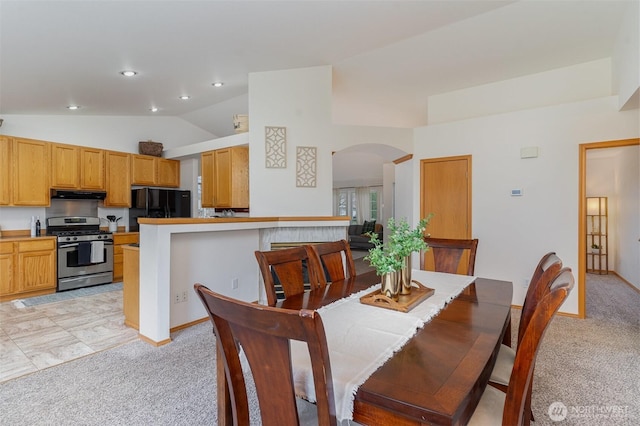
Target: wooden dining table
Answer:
[[439, 375]]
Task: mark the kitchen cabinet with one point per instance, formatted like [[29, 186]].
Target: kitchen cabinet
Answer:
[[131, 287], [121, 239], [65, 172], [92, 168], [76, 167], [31, 160], [27, 267], [5, 171], [155, 171], [118, 179], [225, 178]]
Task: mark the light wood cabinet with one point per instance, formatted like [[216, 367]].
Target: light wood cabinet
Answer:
[[31, 160], [7, 269], [27, 267], [131, 287], [5, 171], [206, 176], [118, 179], [64, 166], [91, 168], [225, 178], [119, 240], [155, 171], [143, 170], [168, 172]]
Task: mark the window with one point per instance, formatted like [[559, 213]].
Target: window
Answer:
[[347, 203]]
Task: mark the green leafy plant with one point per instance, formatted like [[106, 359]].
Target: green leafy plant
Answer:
[[595, 246], [401, 242]]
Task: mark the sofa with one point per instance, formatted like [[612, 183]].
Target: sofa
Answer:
[[357, 238]]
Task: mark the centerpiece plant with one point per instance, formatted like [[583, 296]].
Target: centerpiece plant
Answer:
[[392, 259]]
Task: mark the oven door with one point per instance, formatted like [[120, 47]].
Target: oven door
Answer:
[[75, 272]]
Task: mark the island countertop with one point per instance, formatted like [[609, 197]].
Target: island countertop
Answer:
[[205, 220]]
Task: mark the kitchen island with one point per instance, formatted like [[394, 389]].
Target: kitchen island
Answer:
[[176, 253]]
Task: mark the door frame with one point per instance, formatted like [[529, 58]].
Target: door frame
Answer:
[[582, 213]]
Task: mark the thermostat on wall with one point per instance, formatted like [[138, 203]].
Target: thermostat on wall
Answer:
[[516, 192]]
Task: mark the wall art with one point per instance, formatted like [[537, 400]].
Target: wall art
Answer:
[[275, 147], [306, 159]]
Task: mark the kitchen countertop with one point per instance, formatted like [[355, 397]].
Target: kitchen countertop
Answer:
[[25, 238]]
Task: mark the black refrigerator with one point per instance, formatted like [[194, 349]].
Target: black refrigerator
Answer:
[[156, 202]]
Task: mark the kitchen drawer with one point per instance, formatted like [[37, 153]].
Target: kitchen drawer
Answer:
[[129, 238], [117, 250], [6, 247], [36, 245]]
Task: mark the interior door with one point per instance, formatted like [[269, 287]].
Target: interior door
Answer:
[[445, 191]]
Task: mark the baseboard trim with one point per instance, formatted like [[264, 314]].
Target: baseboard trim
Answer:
[[189, 324], [633, 287]]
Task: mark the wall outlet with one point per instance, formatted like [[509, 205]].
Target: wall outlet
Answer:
[[234, 283], [184, 296], [176, 297]]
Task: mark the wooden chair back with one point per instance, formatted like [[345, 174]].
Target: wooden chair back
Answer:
[[548, 267], [516, 409], [264, 334], [447, 254], [330, 257], [288, 269]]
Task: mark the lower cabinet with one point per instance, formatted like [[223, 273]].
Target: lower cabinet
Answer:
[[120, 239], [27, 267], [131, 287]]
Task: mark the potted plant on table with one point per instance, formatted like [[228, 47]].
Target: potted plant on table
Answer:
[[392, 261], [595, 248]]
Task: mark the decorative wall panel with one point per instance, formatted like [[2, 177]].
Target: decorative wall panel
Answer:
[[306, 159], [275, 147]]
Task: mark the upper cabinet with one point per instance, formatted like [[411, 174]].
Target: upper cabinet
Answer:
[[75, 167], [118, 182], [155, 171], [30, 160], [5, 171], [91, 168], [225, 178]]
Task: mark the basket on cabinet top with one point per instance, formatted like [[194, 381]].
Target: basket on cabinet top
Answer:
[[150, 148]]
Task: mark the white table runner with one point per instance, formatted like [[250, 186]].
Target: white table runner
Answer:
[[361, 337]]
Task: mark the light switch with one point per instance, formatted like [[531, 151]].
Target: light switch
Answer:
[[516, 192]]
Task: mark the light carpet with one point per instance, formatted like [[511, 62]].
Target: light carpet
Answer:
[[589, 365]]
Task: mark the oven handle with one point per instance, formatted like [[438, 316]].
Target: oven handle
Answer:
[[106, 243]]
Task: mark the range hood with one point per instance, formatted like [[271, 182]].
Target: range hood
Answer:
[[73, 194]]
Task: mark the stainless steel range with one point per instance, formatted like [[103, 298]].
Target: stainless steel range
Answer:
[[85, 253]]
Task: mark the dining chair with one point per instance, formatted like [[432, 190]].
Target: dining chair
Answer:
[[539, 285], [288, 271], [330, 257], [263, 335], [510, 408], [447, 254]]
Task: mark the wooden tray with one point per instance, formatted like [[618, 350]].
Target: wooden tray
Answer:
[[404, 303]]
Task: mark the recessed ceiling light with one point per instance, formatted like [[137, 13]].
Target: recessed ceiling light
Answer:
[[153, 109], [184, 97], [73, 107], [128, 73], [218, 84]]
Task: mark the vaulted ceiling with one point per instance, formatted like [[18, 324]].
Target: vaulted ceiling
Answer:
[[389, 56]]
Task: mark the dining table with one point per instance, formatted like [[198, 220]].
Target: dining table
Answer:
[[435, 376]]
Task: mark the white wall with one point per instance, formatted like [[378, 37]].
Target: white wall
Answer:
[[627, 263], [300, 100], [106, 132], [626, 56], [514, 232], [576, 83]]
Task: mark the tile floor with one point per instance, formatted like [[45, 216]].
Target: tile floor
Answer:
[[37, 337]]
